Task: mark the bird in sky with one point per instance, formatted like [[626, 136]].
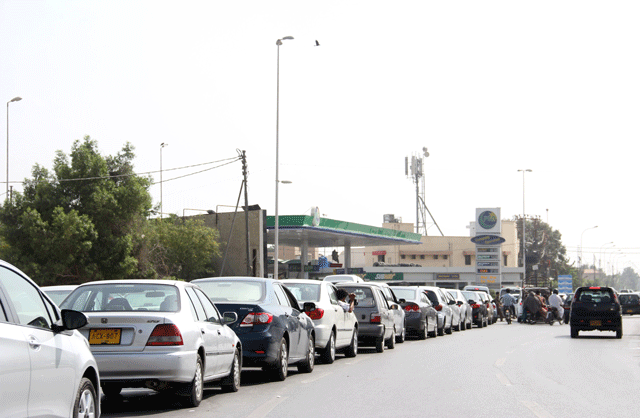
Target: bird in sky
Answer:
[[317, 43]]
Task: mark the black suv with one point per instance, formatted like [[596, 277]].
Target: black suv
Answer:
[[595, 308]]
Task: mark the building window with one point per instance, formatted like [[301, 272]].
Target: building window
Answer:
[[435, 256], [467, 260], [413, 256], [505, 260], [381, 258], [445, 257], [402, 256], [421, 256]]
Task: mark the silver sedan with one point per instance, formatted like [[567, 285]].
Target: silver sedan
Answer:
[[158, 334]]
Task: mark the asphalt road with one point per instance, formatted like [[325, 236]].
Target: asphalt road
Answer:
[[515, 370]]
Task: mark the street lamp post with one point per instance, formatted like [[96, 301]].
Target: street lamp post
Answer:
[[161, 146], [580, 262], [524, 230], [15, 99], [277, 223]]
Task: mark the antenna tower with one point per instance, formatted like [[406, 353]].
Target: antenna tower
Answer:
[[415, 166]]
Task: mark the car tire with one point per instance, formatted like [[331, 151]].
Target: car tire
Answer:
[[422, 334], [619, 332], [86, 399], [449, 330], [352, 350], [380, 344], [391, 342], [574, 332], [400, 338], [306, 366], [280, 369], [329, 352], [111, 389], [441, 330], [195, 389], [231, 383]]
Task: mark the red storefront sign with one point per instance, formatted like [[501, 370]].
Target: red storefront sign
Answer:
[[379, 253]]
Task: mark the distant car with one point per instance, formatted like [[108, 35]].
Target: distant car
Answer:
[[516, 292], [420, 316], [442, 305], [46, 367], [159, 334], [491, 312], [375, 319], [274, 330], [595, 308], [398, 314], [478, 308], [58, 293], [466, 313], [339, 278], [630, 303], [336, 330]]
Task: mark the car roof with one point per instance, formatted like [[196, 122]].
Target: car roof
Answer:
[[134, 281], [243, 278]]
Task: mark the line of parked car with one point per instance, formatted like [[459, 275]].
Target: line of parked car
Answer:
[[176, 337]]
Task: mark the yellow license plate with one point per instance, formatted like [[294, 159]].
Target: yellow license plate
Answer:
[[104, 336], [595, 323]]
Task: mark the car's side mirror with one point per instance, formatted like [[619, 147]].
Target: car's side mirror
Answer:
[[459, 303], [452, 302], [309, 306], [73, 319], [229, 318], [394, 306], [471, 301], [402, 300]]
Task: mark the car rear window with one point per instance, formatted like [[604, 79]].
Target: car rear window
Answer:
[[628, 299], [364, 296], [233, 290], [596, 295], [407, 294], [305, 292], [123, 297]]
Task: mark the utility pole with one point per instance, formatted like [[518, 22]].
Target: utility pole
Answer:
[[243, 155]]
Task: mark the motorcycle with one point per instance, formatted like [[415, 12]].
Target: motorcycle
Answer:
[[506, 312], [554, 315]]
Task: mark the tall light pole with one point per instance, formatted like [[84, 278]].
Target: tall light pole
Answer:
[[161, 146], [601, 247], [580, 262], [524, 230], [15, 99], [277, 223]]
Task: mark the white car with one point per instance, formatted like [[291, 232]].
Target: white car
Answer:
[[340, 278], [397, 311], [336, 330], [46, 366], [466, 313], [159, 334], [58, 293], [442, 304]]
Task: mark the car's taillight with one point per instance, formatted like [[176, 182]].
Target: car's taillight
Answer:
[[317, 313], [438, 307], [475, 306], [256, 318], [375, 318], [165, 334], [412, 308]]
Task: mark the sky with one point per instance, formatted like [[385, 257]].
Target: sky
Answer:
[[489, 87]]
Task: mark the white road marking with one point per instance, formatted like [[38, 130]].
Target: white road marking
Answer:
[[536, 409], [500, 362], [503, 379], [264, 409]]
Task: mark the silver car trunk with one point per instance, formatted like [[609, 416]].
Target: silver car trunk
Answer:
[[132, 328]]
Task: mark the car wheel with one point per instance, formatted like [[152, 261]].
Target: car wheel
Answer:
[[352, 350], [231, 383], [422, 334], [400, 338], [441, 330], [574, 332], [281, 367], [329, 352], [307, 364], [619, 332], [391, 342], [194, 390], [111, 389], [380, 344], [85, 404]]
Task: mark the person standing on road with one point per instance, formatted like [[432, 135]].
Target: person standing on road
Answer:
[[556, 302], [342, 300], [508, 302]]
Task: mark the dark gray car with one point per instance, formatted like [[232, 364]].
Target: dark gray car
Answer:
[[375, 316]]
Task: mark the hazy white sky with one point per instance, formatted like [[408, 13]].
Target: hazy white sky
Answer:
[[489, 87]]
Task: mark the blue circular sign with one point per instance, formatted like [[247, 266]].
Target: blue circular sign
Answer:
[[487, 219]]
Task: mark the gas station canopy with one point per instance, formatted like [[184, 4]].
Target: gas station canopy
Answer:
[[294, 230]]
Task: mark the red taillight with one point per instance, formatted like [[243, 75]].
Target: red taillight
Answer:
[[594, 288], [165, 334], [375, 318], [438, 307], [317, 313], [412, 308], [475, 306], [256, 318]]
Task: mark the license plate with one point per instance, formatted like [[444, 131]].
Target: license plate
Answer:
[[104, 336], [595, 323], [629, 310]]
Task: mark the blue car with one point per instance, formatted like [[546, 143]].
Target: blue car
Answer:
[[274, 330]]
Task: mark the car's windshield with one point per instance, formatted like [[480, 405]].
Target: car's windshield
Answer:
[[407, 294], [364, 296], [470, 296], [233, 290], [629, 299], [123, 297], [305, 292]]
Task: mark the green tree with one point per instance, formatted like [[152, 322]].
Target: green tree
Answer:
[[75, 224], [172, 247]]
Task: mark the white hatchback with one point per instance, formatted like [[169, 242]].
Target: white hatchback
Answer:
[[40, 350], [335, 329]]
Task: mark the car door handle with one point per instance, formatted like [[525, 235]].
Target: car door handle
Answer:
[[202, 331], [219, 332], [33, 342]]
